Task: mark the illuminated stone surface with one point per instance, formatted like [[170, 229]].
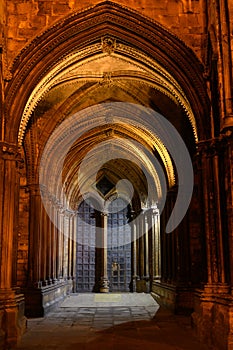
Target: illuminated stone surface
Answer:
[[58, 58]]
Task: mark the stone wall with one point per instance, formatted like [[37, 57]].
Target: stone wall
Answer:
[[212, 320], [27, 19]]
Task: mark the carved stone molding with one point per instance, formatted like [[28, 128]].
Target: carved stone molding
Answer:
[[7, 75], [155, 76], [106, 79], [179, 61], [211, 147], [34, 189]]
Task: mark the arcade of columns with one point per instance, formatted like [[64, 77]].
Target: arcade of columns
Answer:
[[189, 269]]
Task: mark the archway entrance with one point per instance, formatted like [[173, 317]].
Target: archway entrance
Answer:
[[85, 82]]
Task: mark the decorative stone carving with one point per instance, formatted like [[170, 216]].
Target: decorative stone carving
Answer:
[[8, 151], [106, 79], [108, 44]]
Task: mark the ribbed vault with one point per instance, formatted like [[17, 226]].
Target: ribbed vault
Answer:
[[94, 68], [150, 55]]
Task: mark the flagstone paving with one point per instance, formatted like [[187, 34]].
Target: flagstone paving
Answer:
[[126, 326]]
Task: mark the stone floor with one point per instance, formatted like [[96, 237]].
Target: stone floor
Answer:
[[118, 326]]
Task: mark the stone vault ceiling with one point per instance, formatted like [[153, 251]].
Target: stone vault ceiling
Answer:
[[84, 79]]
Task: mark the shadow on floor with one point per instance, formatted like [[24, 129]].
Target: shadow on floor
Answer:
[[164, 331]]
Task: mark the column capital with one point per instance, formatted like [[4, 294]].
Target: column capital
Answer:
[[154, 210], [104, 213], [70, 213], [9, 151], [34, 189], [211, 147]]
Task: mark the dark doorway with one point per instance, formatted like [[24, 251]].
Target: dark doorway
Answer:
[[119, 254], [85, 248]]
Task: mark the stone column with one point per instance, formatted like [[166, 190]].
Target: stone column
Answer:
[[138, 247], [211, 153], [156, 244], [12, 320], [146, 246], [163, 247], [49, 246], [146, 252], [66, 233], [141, 246], [35, 239], [54, 244], [133, 226], [104, 282], [61, 244], [44, 242], [69, 253], [229, 201], [74, 241]]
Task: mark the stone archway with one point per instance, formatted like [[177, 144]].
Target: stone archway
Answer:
[[55, 84]]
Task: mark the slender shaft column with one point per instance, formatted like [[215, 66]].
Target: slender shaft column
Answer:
[[151, 248], [163, 247], [7, 195], [211, 153], [61, 245], [169, 241], [156, 244], [44, 233], [49, 249], [12, 320], [138, 247], [229, 212], [104, 282], [133, 226], [53, 245], [66, 246], [146, 247], [69, 248], [35, 237], [141, 246], [74, 240]]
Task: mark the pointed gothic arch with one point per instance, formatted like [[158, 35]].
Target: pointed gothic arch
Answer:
[[88, 27]]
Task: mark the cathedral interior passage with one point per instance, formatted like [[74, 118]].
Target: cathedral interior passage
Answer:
[[116, 174]]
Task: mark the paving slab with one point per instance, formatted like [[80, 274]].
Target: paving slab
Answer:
[[115, 324]]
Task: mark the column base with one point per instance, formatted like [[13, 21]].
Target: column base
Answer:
[[39, 301], [12, 318], [133, 284], [213, 311], [177, 298], [104, 285], [217, 288], [143, 285]]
